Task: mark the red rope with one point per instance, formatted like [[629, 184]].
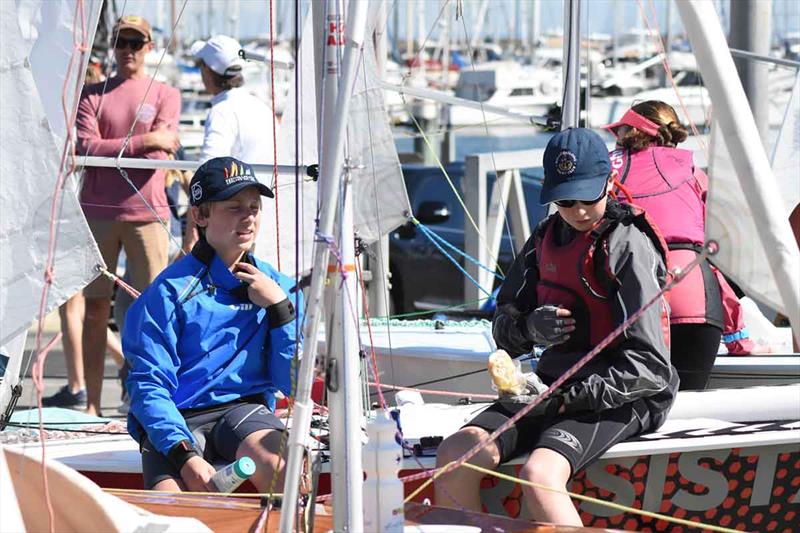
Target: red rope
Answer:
[[274, 139], [374, 356], [624, 190], [79, 48], [124, 286]]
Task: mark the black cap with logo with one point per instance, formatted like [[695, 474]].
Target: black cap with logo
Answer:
[[220, 178]]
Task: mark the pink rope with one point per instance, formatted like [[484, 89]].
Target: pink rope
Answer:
[[78, 50], [373, 356], [124, 286]]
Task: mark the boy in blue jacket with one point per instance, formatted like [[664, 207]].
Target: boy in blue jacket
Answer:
[[210, 341]]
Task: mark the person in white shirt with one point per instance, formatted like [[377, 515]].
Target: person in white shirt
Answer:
[[238, 124]]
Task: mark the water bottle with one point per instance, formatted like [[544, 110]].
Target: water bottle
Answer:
[[383, 491], [233, 475]]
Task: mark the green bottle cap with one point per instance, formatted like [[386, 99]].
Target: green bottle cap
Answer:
[[244, 467]]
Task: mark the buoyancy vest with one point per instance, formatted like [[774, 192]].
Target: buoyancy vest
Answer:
[[578, 276], [664, 182]]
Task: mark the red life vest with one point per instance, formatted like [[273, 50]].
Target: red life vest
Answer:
[[578, 277]]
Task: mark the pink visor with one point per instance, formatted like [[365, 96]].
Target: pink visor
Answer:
[[635, 120]]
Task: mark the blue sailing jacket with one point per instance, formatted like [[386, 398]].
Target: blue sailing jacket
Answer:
[[191, 342]]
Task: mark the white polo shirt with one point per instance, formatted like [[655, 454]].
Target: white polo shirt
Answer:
[[238, 125]]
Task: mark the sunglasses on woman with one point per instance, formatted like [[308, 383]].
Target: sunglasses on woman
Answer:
[[570, 203], [135, 44]]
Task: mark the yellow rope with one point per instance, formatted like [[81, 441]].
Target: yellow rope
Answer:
[[427, 482], [453, 187], [597, 501]]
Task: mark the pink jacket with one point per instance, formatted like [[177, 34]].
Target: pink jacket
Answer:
[[665, 182]]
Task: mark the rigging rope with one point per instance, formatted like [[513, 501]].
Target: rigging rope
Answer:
[[459, 267], [428, 143], [275, 134], [449, 181], [264, 517], [486, 131], [373, 354], [433, 236], [382, 266], [80, 47]]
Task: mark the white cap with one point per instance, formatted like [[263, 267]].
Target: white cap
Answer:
[[220, 53]]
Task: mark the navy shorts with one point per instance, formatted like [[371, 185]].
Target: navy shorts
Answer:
[[580, 438], [217, 431]]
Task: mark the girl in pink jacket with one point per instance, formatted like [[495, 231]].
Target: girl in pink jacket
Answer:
[[662, 179]]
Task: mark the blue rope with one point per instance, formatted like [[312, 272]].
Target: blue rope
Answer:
[[455, 262], [435, 236]]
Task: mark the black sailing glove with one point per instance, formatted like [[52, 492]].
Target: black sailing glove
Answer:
[[549, 325]]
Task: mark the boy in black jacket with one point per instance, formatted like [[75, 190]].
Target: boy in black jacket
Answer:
[[583, 272]]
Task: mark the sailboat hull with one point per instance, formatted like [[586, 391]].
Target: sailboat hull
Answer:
[[726, 457]]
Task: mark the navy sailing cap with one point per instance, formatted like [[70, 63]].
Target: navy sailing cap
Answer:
[[220, 178], [576, 166]]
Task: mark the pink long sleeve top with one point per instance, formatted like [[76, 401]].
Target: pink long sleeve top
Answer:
[[103, 122]]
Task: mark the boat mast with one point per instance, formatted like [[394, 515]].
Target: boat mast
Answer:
[[751, 30], [570, 110], [347, 474], [747, 152], [536, 23]]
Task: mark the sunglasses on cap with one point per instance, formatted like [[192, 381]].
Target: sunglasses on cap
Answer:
[[570, 203], [135, 44]]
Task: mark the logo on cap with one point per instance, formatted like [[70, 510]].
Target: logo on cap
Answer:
[[237, 173], [566, 162], [197, 192]]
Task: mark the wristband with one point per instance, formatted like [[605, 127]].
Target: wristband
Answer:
[[180, 453], [281, 313]]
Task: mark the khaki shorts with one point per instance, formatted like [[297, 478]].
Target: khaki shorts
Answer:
[[145, 244]]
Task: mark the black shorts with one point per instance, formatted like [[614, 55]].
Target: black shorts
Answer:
[[580, 438], [218, 432]]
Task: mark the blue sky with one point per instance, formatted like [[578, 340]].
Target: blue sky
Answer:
[[500, 20]]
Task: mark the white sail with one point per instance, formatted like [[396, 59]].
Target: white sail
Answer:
[[729, 219], [35, 46], [379, 195], [380, 199], [786, 154]]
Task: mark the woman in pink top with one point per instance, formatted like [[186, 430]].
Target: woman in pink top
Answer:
[[662, 179]]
